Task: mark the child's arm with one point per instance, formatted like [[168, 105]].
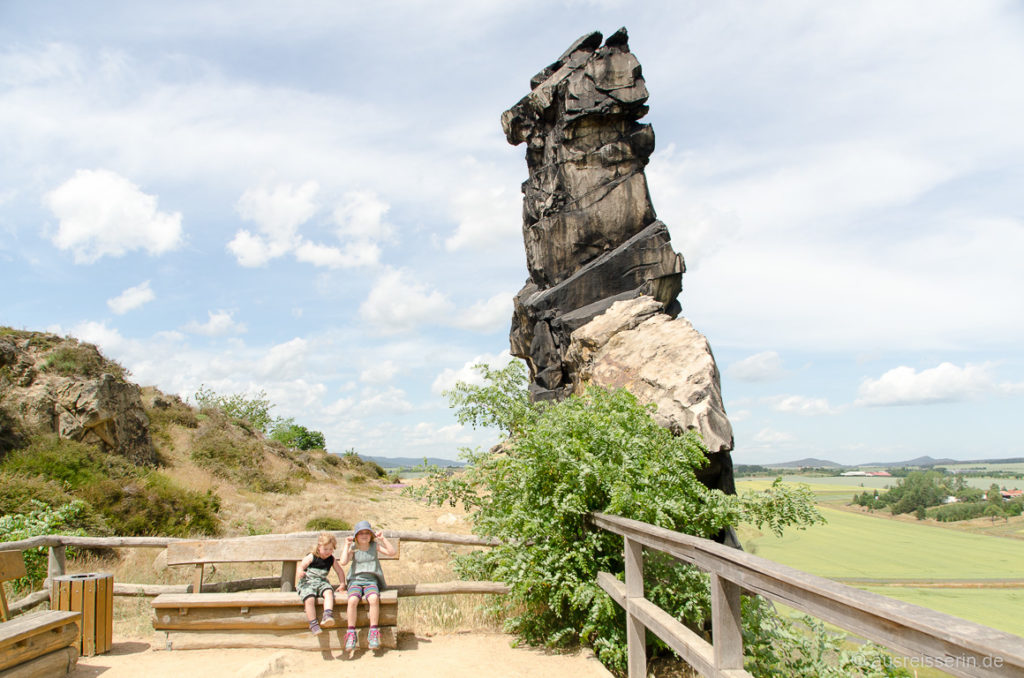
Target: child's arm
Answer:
[[303, 565], [346, 552], [383, 545], [341, 575]]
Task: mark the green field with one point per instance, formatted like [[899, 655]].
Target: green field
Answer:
[[998, 608], [856, 545], [835, 488], [862, 546]]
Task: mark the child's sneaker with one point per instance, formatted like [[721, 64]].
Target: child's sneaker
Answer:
[[350, 640], [328, 620], [374, 640], [314, 628]]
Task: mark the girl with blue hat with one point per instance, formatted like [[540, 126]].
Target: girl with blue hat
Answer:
[[365, 578]]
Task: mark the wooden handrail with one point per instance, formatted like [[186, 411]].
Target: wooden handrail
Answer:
[[957, 646]]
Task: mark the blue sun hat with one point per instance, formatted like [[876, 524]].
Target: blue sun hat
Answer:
[[363, 525]]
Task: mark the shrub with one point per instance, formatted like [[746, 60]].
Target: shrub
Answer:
[[327, 524], [155, 506], [228, 453], [599, 452], [72, 359], [255, 410], [171, 410], [298, 437], [40, 520], [69, 462]]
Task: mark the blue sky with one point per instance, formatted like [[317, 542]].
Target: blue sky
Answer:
[[315, 199]]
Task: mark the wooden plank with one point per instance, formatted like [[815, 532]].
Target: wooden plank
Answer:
[[57, 663], [38, 643], [88, 617], [228, 618], [726, 623], [331, 640], [246, 599], [449, 588], [197, 578], [106, 630], [12, 565], [249, 550], [693, 649], [26, 625], [288, 570]]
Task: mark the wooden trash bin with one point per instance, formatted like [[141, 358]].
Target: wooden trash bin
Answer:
[[92, 594]]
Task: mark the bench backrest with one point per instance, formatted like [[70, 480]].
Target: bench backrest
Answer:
[[250, 550], [12, 566]]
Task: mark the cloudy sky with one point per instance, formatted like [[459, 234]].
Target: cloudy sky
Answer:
[[315, 199]]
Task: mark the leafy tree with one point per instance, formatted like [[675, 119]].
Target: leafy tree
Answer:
[[995, 496], [298, 437], [994, 511], [598, 452], [919, 489], [255, 410]]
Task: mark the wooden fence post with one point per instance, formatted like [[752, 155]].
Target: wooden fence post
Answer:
[[636, 632], [726, 623], [56, 562]]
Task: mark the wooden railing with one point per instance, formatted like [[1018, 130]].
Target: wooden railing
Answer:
[[56, 564], [924, 637]]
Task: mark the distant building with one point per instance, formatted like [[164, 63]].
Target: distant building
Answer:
[[853, 473], [881, 474]]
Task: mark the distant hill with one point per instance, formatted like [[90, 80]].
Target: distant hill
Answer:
[[409, 462], [810, 462]]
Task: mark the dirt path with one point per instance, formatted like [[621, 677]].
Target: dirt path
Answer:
[[462, 655]]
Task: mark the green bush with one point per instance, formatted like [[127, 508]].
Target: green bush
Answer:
[[40, 520], [155, 506], [72, 463], [599, 452], [327, 524], [255, 411], [73, 359], [286, 431], [171, 410]]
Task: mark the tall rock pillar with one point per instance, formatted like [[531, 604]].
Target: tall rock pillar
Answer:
[[604, 279]]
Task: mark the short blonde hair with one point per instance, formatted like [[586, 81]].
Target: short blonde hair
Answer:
[[325, 538]]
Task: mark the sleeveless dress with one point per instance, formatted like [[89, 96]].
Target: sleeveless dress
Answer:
[[315, 581], [366, 568]]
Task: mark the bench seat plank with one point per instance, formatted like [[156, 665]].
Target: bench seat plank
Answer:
[[331, 640], [57, 663], [23, 639], [27, 625], [210, 618], [250, 599]]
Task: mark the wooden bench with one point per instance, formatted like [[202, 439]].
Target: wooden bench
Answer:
[[205, 619], [38, 644]]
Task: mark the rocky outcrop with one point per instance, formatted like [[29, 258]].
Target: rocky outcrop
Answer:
[[591, 233], [600, 304], [62, 386]]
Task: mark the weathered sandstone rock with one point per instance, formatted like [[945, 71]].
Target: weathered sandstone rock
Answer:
[[101, 408], [600, 303]]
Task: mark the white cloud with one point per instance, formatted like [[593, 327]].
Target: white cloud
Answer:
[[219, 324], [942, 384], [448, 377], [388, 401], [795, 404], [489, 216], [360, 216], [283, 360], [398, 303], [379, 373], [131, 298], [738, 416], [772, 437], [358, 253], [108, 339], [277, 213], [764, 366], [488, 315], [103, 214]]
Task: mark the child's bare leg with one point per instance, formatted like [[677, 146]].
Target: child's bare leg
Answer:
[[328, 599], [374, 600], [310, 605], [353, 610]]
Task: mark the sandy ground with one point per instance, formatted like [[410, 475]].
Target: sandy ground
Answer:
[[461, 655]]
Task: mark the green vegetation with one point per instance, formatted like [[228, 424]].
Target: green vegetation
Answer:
[[114, 495], [73, 359], [228, 450], [39, 520], [252, 411], [599, 452], [298, 437], [996, 607], [327, 524]]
